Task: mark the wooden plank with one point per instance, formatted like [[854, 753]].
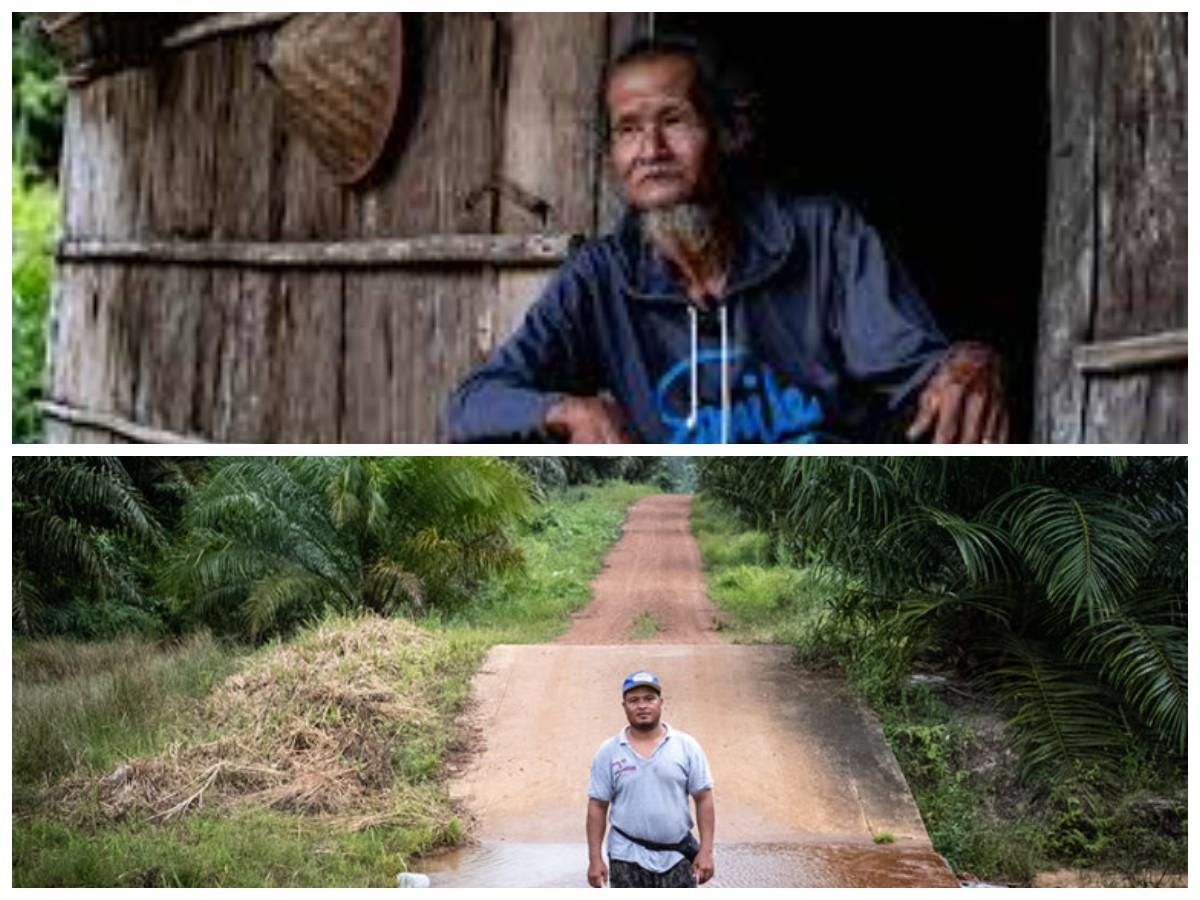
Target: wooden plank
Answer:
[[1143, 188], [308, 340], [1167, 414], [516, 250], [181, 179], [397, 336], [1142, 200], [236, 365], [217, 25], [1133, 353], [550, 147], [106, 426], [1070, 255], [307, 315], [77, 366]]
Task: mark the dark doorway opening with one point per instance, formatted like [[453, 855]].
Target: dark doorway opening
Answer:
[[936, 126]]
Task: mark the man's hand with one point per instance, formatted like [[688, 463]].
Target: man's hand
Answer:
[[703, 866], [588, 420], [964, 402], [597, 821], [597, 873]]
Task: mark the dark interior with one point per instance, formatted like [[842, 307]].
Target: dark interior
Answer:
[[935, 126]]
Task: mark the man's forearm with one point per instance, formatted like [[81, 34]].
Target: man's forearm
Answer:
[[597, 823], [706, 819], [488, 410]]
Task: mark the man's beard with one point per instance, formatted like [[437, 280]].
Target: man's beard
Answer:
[[690, 229]]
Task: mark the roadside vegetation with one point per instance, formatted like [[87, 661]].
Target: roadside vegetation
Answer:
[[37, 108], [248, 672], [1019, 627]]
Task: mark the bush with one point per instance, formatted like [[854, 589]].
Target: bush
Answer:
[[35, 220]]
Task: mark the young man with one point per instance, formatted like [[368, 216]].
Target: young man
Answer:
[[643, 777], [721, 311]]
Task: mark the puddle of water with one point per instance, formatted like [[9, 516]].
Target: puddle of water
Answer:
[[497, 864]]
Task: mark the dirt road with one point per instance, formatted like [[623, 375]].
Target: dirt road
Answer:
[[805, 784]]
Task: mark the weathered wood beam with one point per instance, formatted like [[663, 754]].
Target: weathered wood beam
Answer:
[[538, 251], [1109, 357], [221, 24], [113, 424]]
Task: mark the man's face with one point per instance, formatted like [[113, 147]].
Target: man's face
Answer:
[[663, 151], [643, 708]]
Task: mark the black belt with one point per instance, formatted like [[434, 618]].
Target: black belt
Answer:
[[689, 846]]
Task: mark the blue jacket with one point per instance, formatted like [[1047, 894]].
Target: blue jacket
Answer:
[[819, 338]]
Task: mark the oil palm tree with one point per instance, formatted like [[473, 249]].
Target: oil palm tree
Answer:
[[75, 520], [1061, 583], [268, 543]]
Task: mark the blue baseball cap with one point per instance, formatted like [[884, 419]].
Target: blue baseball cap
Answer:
[[641, 679]]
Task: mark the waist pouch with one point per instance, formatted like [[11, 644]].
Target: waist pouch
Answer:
[[689, 846]]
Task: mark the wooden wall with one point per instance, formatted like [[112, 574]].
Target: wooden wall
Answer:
[[1114, 315], [173, 170], [185, 306]]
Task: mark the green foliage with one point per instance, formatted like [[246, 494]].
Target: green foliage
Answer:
[[247, 849], [550, 473], [38, 98], [1040, 576], [34, 224], [79, 524], [269, 544], [920, 570]]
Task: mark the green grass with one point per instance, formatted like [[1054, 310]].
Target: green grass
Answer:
[[564, 548], [252, 849], [762, 602], [91, 706], [645, 627]]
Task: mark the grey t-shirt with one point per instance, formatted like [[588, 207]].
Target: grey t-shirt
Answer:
[[649, 797]]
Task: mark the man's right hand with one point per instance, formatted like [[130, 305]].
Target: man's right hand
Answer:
[[597, 873], [588, 420]]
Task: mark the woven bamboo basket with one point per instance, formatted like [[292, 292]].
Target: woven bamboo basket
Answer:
[[341, 77]]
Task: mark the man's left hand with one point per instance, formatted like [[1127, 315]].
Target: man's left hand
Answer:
[[703, 867], [964, 402]]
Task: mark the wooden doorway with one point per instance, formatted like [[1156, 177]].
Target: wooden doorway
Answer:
[[936, 127]]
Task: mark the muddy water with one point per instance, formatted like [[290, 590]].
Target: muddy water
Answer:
[[502, 864]]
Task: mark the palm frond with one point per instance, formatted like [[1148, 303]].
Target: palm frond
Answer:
[[1086, 550], [298, 596], [1141, 649], [390, 585], [1069, 726]]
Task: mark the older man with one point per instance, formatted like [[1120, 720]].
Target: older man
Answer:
[[721, 311], [643, 778]]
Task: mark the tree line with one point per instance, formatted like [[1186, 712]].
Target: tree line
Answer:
[[256, 547]]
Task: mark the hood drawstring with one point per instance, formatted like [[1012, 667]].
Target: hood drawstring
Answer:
[[694, 416], [726, 386]]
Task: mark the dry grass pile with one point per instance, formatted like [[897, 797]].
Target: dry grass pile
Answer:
[[310, 727]]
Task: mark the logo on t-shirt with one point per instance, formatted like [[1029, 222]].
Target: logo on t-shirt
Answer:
[[621, 766], [765, 408]]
